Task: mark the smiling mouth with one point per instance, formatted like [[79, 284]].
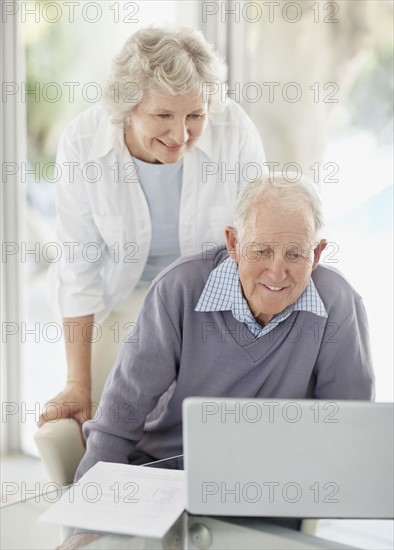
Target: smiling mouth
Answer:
[[274, 288], [170, 146]]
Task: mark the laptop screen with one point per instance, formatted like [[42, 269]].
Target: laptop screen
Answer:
[[283, 458]]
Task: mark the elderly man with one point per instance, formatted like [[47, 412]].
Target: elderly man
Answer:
[[258, 319]]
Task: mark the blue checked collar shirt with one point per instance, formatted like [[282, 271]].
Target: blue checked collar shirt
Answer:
[[223, 292]]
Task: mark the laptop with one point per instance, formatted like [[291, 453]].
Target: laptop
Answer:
[[283, 458]]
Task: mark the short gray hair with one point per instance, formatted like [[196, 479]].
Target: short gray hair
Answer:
[[293, 193], [173, 60]]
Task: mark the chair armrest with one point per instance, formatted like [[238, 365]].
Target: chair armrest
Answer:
[[61, 449], [309, 526]]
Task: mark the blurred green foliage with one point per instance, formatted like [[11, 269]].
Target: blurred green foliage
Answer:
[[50, 55], [370, 102]]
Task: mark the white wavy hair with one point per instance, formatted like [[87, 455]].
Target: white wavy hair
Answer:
[[291, 194], [174, 60]]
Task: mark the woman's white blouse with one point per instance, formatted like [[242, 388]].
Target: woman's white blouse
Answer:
[[104, 225]]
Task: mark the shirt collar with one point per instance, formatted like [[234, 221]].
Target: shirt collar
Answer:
[[223, 292], [204, 142], [106, 137]]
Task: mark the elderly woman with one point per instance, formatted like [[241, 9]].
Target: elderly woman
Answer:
[[149, 176]]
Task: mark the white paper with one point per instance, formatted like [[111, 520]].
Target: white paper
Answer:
[[125, 499]]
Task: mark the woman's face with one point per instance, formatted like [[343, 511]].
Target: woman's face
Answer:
[[162, 128]]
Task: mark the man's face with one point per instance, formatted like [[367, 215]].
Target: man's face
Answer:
[[275, 255], [164, 127]]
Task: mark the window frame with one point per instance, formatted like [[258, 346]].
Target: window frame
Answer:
[[12, 149]]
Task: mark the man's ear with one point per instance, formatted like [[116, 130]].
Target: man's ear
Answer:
[[232, 243], [317, 251]]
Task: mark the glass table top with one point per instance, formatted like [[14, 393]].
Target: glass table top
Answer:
[[19, 529]]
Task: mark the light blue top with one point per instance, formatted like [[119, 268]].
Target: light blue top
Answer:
[[223, 292], [161, 184]]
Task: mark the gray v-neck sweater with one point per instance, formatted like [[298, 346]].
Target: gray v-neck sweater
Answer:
[[178, 352]]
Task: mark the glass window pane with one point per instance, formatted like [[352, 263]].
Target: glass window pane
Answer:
[[317, 80]]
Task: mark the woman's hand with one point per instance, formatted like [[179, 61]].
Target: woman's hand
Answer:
[[72, 402], [75, 400]]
